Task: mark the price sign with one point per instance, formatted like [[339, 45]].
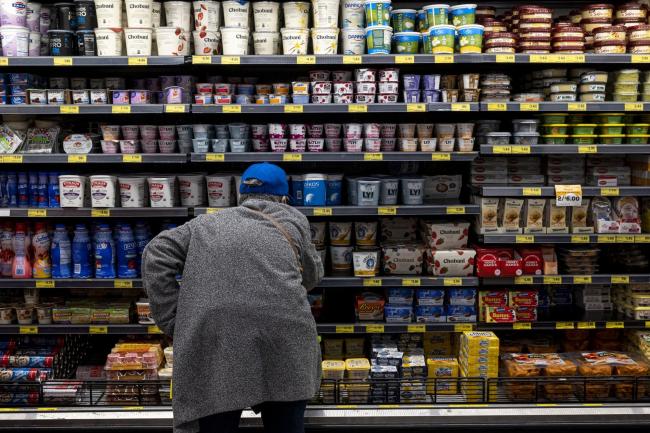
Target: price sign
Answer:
[[615, 325], [443, 58], [634, 106], [452, 281], [416, 108], [375, 329], [502, 149], [500, 106], [460, 106], [521, 326], [62, 61], [586, 325], [524, 239], [372, 282], [625, 239], [440, 157], [462, 327], [582, 279], [568, 195], [69, 109], [215, 157], [306, 60], [4, 61], [100, 213], [531, 191], [404, 59], [352, 60], [231, 109], [505, 58], [121, 109], [642, 239], [323, 211], [36, 213], [411, 282], [529, 106], [455, 210], [98, 330], [606, 239], [587, 149], [45, 284], [174, 108], [416, 328], [524, 280], [345, 329], [12, 159], [373, 156], [640, 58], [123, 284], [576, 106], [292, 157], [153, 329], [137, 61], [579, 239], [77, 159], [520, 149], [230, 60], [132, 158], [357, 108], [386, 210], [614, 192], [293, 108], [201, 60], [28, 330], [564, 325], [552, 280], [620, 279]]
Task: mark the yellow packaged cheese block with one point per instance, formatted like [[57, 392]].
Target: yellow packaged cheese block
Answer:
[[333, 370], [475, 340], [445, 371]]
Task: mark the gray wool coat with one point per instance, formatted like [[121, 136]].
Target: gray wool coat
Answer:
[[241, 322]]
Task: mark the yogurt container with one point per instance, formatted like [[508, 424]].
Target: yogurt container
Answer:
[[295, 41], [403, 20], [207, 14], [138, 41], [266, 15], [365, 263], [296, 13], [192, 189], [378, 39], [352, 14], [442, 39], [109, 42], [406, 42], [172, 41], [436, 14], [206, 42], [235, 13], [218, 190], [463, 14], [325, 40], [325, 13], [15, 40], [368, 191], [179, 14], [377, 12], [235, 41], [102, 191], [132, 191], [109, 13], [13, 13], [72, 190], [160, 191], [138, 14], [470, 38]]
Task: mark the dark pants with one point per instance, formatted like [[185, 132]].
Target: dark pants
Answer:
[[278, 417]]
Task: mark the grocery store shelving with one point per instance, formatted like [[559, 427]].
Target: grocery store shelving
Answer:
[[391, 328], [94, 158], [332, 156], [565, 149], [95, 109], [396, 281], [86, 329], [142, 212], [549, 191], [553, 325], [103, 61], [566, 239], [423, 210], [333, 108], [567, 279], [528, 107], [71, 283]]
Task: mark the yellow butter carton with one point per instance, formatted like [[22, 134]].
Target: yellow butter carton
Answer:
[[333, 369], [357, 368], [473, 341], [445, 371]]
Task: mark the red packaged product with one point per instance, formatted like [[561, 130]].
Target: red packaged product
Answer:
[[497, 262], [500, 315], [524, 298], [526, 314], [531, 260]]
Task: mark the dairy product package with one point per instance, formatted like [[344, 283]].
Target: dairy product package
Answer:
[[445, 234], [451, 263], [403, 259]]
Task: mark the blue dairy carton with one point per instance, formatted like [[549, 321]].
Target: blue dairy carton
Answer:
[[462, 296], [430, 313], [430, 297], [398, 313], [400, 296], [314, 190], [461, 313]]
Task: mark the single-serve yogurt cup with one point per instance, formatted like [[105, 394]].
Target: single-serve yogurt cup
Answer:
[[102, 191], [266, 16], [172, 41], [178, 14], [192, 189], [266, 43], [296, 14], [109, 42], [132, 191], [378, 39], [207, 14], [326, 13], [354, 41], [138, 14], [235, 13], [219, 190], [206, 42], [325, 40], [15, 41], [295, 41], [72, 189], [138, 41], [352, 14], [235, 41], [13, 13], [109, 13]]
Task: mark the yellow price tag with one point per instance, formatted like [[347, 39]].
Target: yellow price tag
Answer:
[[352, 60], [201, 60], [552, 280], [460, 106], [345, 329], [4, 61], [215, 157], [576, 106], [100, 213], [411, 282], [625, 239], [564, 325], [524, 280], [32, 213], [497, 106], [505, 58], [47, 409], [521, 326], [137, 61], [586, 325], [620, 279], [174, 108], [531, 191], [502, 149], [323, 211], [614, 325], [212, 210], [568, 195], [292, 157], [642, 239], [69, 109], [98, 330], [231, 109], [529, 106], [634, 106], [386, 210], [8, 409], [133, 408], [462, 327], [346, 406], [357, 108], [610, 191], [404, 59], [293, 108], [153, 329], [121, 109], [582, 279], [230, 60], [580, 239], [640, 58], [443, 58], [373, 156], [540, 58], [28, 330], [520, 149], [606, 239], [372, 282], [587, 149], [375, 329], [77, 159], [123, 284], [45, 284], [416, 108], [135, 157], [440, 157], [455, 210], [572, 58], [524, 239], [306, 60], [647, 324], [62, 61], [448, 281], [416, 328], [12, 159]]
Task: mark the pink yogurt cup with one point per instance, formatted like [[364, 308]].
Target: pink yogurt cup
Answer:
[[149, 145], [352, 130], [297, 131], [332, 130], [148, 132], [167, 132]]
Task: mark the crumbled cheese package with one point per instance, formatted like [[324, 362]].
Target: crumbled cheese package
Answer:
[[445, 235], [461, 313], [403, 259], [430, 314], [451, 263], [430, 296]]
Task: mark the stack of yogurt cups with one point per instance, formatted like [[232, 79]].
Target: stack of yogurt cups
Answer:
[[174, 38], [16, 28], [235, 37], [110, 34], [266, 16], [295, 33], [206, 36], [325, 32]]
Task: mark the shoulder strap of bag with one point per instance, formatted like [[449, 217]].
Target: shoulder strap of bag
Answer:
[[284, 232]]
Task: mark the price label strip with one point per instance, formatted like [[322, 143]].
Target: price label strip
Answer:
[[568, 195]]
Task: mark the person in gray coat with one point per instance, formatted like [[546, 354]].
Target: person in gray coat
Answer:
[[242, 327]]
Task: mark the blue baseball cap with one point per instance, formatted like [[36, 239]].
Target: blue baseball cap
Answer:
[[264, 178]]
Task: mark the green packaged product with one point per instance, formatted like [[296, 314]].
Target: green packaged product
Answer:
[[583, 128], [637, 138], [611, 128], [637, 128], [554, 128], [583, 139], [555, 139], [612, 138]]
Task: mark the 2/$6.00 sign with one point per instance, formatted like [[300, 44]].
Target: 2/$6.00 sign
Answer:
[[568, 195]]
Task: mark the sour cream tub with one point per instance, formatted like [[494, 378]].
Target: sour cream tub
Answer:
[[132, 191], [102, 191], [72, 189], [219, 190], [192, 189], [161, 191]]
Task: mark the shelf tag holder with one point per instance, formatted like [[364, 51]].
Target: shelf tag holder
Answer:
[[568, 195]]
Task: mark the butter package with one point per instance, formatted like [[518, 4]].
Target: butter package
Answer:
[[383, 372], [491, 298], [357, 368], [526, 314], [437, 343], [414, 366], [445, 235], [389, 358], [403, 259], [333, 370], [479, 370], [462, 296], [442, 369], [398, 313], [475, 340], [451, 263], [523, 298], [430, 296], [430, 314], [461, 313]]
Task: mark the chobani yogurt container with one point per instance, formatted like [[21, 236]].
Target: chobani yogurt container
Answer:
[[132, 191], [102, 191], [72, 189]]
